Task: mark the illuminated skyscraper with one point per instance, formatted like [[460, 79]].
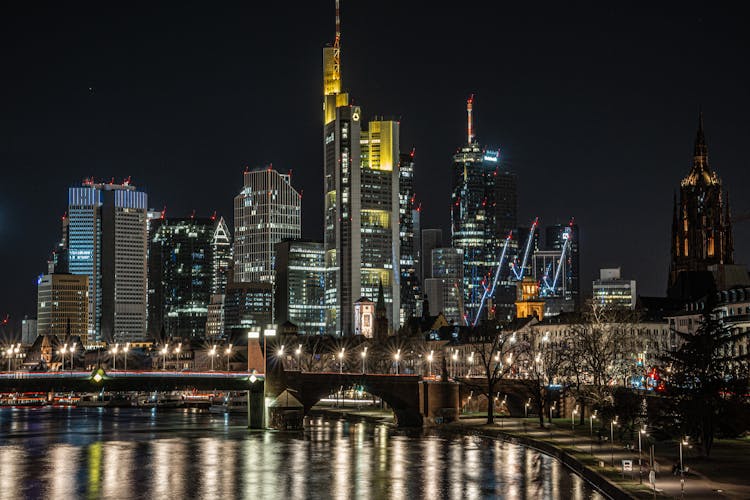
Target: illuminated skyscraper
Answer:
[[267, 210], [473, 225], [62, 306], [300, 285], [107, 241], [361, 206], [409, 234]]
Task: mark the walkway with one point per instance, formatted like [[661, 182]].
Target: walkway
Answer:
[[594, 453]]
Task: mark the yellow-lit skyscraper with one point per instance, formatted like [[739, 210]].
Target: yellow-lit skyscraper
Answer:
[[361, 186]]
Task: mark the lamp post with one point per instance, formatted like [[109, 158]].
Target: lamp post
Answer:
[[228, 352], [612, 425], [640, 467], [125, 350], [164, 356], [429, 359], [297, 352], [341, 361], [397, 357], [526, 407], [212, 354], [61, 352], [177, 356], [270, 331], [682, 469], [364, 356], [591, 433], [551, 409], [573, 418], [114, 357], [455, 362]]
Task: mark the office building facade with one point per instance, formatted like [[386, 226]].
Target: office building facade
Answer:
[[300, 285], [63, 306]]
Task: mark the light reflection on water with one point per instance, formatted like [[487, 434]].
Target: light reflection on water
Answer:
[[126, 453]]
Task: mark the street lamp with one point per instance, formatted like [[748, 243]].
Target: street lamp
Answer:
[[573, 418], [124, 354], [526, 407], [164, 356], [429, 359], [640, 467], [228, 352], [683, 441], [364, 355], [612, 425], [297, 352], [341, 361], [177, 356], [212, 354], [61, 352], [551, 409], [455, 362], [114, 357], [591, 433], [397, 357]]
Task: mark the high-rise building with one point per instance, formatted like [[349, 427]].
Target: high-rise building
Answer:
[[221, 257], [267, 210], [431, 239], [247, 305], [445, 290], [63, 306], [556, 238], [300, 285], [107, 241], [611, 290], [182, 273], [409, 213], [361, 204], [473, 210], [702, 238]]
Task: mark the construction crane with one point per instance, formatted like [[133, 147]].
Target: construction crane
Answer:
[[547, 288]]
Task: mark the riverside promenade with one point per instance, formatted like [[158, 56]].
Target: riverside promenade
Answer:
[[725, 475]]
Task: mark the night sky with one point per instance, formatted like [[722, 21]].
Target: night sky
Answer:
[[594, 106]]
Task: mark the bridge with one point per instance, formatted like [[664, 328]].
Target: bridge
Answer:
[[121, 381], [415, 401]]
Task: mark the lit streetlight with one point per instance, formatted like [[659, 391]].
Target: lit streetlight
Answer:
[[591, 433], [177, 356], [573, 418], [455, 362], [164, 352], [397, 357], [212, 354], [61, 352], [429, 359], [612, 425], [114, 356], [640, 452], [341, 361], [364, 356], [683, 441], [228, 352], [297, 352], [125, 350], [551, 409], [526, 407]]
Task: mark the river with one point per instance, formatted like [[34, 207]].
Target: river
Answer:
[[59, 453]]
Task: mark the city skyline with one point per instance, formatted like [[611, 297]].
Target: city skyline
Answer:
[[94, 123]]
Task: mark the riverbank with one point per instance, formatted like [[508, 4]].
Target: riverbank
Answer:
[[594, 460]]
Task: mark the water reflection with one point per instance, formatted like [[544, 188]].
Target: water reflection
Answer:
[[55, 453]]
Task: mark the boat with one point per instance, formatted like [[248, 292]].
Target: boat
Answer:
[[24, 399], [162, 400], [230, 403], [106, 400]]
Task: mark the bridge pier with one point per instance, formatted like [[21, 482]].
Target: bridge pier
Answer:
[[256, 407], [439, 402]]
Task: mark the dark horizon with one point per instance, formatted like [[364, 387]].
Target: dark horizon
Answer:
[[594, 107]]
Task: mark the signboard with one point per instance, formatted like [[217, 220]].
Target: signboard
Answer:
[[627, 466]]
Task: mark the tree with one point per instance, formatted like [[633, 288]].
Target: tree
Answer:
[[491, 347], [705, 377]]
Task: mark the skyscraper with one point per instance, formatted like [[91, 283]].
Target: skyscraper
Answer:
[[473, 210], [409, 213], [107, 242], [62, 306], [181, 275], [267, 210], [701, 230], [555, 239], [431, 239], [300, 285], [445, 289], [361, 204]]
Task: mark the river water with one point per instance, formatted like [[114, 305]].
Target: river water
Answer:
[[61, 453]]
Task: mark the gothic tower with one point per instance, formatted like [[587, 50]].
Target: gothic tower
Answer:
[[701, 227]]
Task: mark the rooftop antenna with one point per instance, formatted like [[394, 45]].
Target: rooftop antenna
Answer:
[[469, 105], [337, 44]]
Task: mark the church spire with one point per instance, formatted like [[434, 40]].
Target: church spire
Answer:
[[700, 153]]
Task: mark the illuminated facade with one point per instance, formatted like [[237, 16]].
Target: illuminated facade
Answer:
[[611, 290], [445, 289], [300, 285], [247, 305], [181, 276], [267, 210], [409, 235], [701, 225], [529, 303], [63, 306], [473, 224], [107, 241], [361, 204]]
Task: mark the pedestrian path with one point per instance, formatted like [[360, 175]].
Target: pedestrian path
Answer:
[[601, 454]]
